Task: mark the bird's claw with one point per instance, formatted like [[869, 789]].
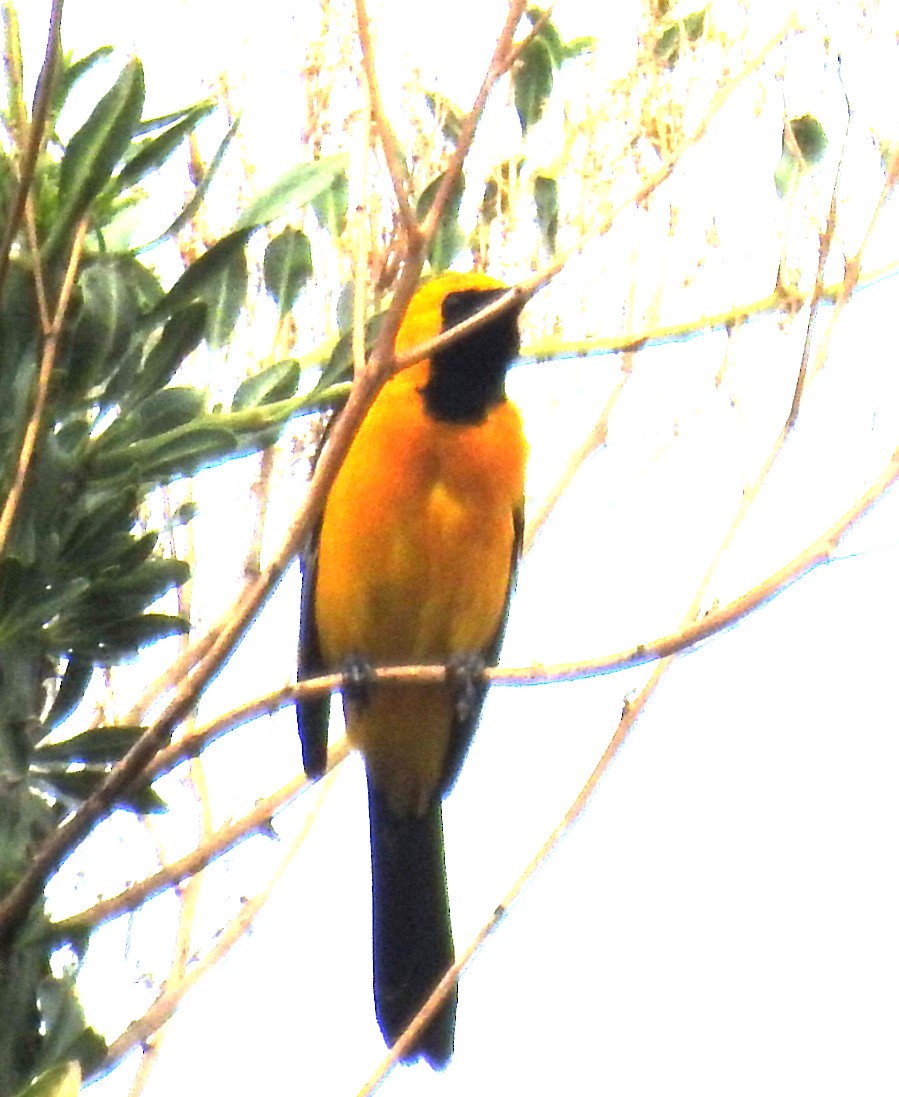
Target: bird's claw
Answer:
[[357, 680], [464, 673]]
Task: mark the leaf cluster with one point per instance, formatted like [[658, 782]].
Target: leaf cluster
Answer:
[[80, 575]]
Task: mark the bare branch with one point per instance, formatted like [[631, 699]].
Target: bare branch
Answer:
[[212, 847], [168, 1001], [399, 177], [48, 358], [503, 57], [37, 132]]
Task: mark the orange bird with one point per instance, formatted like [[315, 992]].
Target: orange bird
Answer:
[[414, 561]]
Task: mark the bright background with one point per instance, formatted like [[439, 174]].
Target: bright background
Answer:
[[723, 917]]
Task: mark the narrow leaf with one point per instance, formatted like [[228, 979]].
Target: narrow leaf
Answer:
[[200, 278], [287, 267], [546, 199], [225, 297], [278, 382], [196, 199], [330, 207], [180, 336], [94, 151], [153, 153], [448, 239], [99, 746], [296, 187], [532, 82], [447, 115], [75, 680]]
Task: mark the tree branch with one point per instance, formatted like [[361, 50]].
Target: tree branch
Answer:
[[48, 359]]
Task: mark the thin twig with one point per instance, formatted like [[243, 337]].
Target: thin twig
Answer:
[[825, 243], [37, 135], [201, 647], [817, 553], [230, 631], [595, 439], [210, 848], [396, 168], [48, 359], [669, 162], [168, 1001], [504, 56]]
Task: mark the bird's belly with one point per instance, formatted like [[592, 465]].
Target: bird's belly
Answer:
[[428, 585]]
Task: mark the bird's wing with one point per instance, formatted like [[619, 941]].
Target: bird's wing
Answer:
[[464, 725], [312, 712]]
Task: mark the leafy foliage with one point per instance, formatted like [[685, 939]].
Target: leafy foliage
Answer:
[[804, 145], [104, 394], [675, 33], [542, 57], [80, 575]]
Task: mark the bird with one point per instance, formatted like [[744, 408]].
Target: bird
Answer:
[[414, 561]]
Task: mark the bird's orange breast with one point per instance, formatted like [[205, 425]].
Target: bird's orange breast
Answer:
[[415, 555]]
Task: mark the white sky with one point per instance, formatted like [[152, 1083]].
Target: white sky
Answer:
[[722, 920]]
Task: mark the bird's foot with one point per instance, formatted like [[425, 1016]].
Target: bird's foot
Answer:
[[357, 680], [464, 674]]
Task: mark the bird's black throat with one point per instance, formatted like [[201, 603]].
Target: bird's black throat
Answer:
[[468, 377]]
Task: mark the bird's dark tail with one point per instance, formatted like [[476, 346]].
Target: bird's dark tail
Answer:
[[412, 942]]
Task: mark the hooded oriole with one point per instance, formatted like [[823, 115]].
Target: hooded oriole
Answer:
[[414, 561]]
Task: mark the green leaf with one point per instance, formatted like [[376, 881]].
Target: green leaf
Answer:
[[810, 138], [137, 550], [180, 337], [165, 121], [330, 207], [278, 382], [71, 74], [109, 641], [346, 307], [184, 514], [488, 210], [145, 801], [78, 784], [201, 279], [94, 151], [339, 368], [159, 413], [168, 409], [447, 114], [532, 82], [296, 187], [18, 581], [98, 514], [66, 1034], [548, 35], [546, 199], [62, 1080], [448, 240], [144, 584], [152, 154], [677, 31], [577, 47], [196, 199], [194, 449], [225, 298], [287, 267], [100, 746], [179, 452], [102, 325], [72, 687]]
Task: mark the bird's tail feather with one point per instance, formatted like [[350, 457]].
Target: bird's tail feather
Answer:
[[412, 936]]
